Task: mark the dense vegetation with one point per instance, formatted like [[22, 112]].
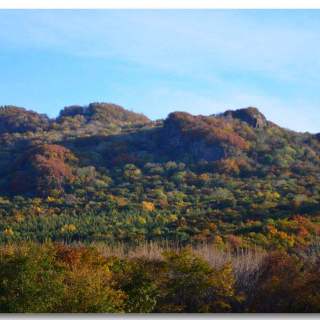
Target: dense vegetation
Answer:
[[54, 277], [102, 174]]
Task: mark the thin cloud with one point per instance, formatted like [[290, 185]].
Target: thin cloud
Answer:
[[208, 59]]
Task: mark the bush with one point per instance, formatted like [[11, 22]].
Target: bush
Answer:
[[138, 279], [55, 278], [30, 281], [88, 282], [190, 284], [286, 284]]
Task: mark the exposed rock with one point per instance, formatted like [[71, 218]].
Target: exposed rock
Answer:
[[250, 115]]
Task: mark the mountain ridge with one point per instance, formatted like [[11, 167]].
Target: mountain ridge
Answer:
[[104, 130], [117, 175], [110, 111]]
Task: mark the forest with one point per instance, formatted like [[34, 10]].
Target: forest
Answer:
[[105, 210]]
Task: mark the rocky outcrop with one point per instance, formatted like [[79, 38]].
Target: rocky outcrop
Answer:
[[250, 115]]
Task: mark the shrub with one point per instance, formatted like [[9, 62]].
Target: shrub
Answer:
[[30, 282], [286, 284], [56, 278], [138, 279], [88, 282], [190, 284]]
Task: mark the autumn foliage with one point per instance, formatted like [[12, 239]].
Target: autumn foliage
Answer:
[[211, 129], [80, 279], [43, 169], [105, 175]]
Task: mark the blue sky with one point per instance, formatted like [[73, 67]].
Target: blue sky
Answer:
[[159, 61]]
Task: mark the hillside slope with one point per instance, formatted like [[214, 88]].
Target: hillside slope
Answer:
[[104, 173]]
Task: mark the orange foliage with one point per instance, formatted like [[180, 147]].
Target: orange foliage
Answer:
[[213, 130], [148, 206], [234, 241], [44, 167]]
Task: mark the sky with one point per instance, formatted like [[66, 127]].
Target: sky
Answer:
[[159, 61]]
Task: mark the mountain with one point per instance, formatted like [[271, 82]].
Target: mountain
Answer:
[[117, 175]]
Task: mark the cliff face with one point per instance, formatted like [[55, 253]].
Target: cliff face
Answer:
[[250, 115]]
